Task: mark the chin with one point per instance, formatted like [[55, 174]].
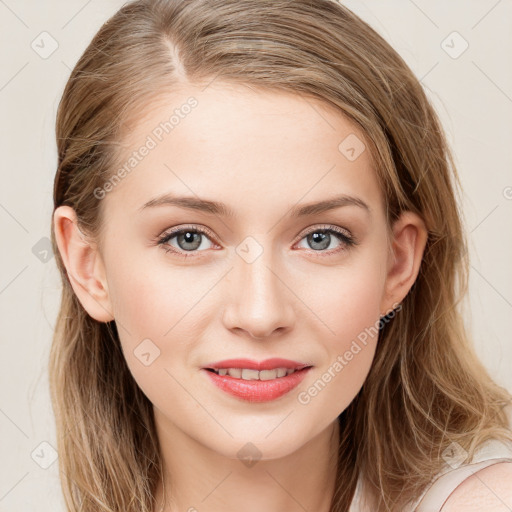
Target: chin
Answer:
[[262, 444]]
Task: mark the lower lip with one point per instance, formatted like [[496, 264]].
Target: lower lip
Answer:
[[258, 390]]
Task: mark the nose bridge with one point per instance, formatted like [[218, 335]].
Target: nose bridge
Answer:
[[255, 272], [260, 301], [256, 267]]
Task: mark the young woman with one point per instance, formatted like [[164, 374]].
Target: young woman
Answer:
[[262, 259]]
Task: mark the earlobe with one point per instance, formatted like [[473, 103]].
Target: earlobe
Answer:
[[407, 247], [83, 264]]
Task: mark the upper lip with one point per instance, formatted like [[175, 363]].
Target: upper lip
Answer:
[[267, 364]]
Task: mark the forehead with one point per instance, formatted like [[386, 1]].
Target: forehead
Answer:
[[248, 148]]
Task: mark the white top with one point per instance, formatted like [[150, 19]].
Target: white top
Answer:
[[435, 496], [450, 477]]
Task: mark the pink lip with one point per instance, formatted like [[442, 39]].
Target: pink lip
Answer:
[[267, 364], [258, 390]]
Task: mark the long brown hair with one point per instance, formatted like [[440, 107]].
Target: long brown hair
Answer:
[[426, 387]]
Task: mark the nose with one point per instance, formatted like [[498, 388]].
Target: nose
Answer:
[[260, 302]]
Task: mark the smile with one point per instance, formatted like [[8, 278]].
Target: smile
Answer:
[[249, 374], [256, 386]]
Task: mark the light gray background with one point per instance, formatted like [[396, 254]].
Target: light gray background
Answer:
[[472, 93]]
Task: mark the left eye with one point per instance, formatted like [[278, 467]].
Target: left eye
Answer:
[[322, 238]]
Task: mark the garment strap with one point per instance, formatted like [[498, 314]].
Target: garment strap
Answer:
[[438, 493], [491, 452], [444, 484]]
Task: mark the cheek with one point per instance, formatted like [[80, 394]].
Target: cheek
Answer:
[[150, 312], [348, 299], [153, 301], [149, 296], [349, 308]]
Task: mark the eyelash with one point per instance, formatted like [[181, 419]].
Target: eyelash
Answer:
[[341, 234]]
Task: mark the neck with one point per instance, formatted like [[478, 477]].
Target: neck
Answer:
[[197, 478]]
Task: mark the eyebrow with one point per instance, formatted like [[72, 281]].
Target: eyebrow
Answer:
[[221, 209]]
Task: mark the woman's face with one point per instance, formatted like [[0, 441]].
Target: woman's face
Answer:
[[260, 282]]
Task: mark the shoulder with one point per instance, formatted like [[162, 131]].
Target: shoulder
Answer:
[[488, 489]]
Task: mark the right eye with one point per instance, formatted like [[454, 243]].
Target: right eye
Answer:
[[188, 240]]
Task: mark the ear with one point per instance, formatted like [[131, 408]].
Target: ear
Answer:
[[409, 237], [83, 264]]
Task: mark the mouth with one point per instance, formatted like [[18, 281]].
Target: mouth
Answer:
[[247, 369], [257, 382], [250, 374]]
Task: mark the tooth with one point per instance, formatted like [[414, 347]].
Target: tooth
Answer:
[[250, 374], [269, 374], [235, 372]]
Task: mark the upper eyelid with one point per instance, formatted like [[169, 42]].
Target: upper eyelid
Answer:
[[326, 227], [198, 228]]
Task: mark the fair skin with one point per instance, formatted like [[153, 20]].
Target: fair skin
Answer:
[[261, 154]]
